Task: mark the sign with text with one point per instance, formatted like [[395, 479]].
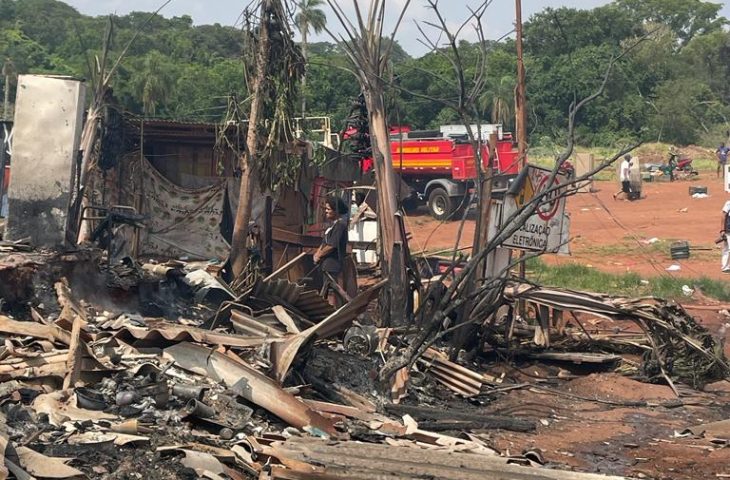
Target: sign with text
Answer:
[[547, 230]]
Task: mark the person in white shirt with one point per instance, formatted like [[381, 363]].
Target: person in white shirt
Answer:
[[360, 210], [624, 177], [724, 229]]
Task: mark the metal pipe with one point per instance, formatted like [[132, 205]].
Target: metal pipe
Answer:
[[198, 409]]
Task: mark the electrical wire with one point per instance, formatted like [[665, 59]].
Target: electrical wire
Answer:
[[644, 252]]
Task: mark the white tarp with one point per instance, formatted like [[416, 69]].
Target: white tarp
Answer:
[[181, 221], [366, 230], [548, 230]]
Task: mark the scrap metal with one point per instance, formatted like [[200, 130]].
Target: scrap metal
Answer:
[[672, 333]]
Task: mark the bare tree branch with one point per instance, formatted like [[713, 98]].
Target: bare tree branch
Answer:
[[459, 293]]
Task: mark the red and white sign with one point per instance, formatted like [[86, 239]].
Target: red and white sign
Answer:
[[547, 230]]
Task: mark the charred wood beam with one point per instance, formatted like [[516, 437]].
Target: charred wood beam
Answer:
[[430, 418]]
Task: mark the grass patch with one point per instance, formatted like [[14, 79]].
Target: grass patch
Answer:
[[579, 277], [658, 251], [628, 247]]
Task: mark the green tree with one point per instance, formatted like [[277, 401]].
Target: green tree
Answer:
[[47, 22], [331, 86], [681, 115], [153, 82], [177, 69], [687, 18], [498, 100], [309, 16], [555, 32], [705, 58]]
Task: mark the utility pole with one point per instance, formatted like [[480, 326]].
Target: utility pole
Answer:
[[520, 109], [520, 97]]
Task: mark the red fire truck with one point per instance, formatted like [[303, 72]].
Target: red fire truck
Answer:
[[440, 168]]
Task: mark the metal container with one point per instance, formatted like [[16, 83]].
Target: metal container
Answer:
[[90, 399], [198, 409], [679, 250], [189, 391], [361, 340]]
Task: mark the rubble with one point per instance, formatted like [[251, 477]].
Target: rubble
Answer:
[[134, 352], [251, 396]]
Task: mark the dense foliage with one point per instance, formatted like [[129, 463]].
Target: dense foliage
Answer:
[[671, 86]]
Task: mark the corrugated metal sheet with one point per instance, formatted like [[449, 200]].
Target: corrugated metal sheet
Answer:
[[161, 331], [297, 297]]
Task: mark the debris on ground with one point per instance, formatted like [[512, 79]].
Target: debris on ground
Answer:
[[275, 383], [121, 364]]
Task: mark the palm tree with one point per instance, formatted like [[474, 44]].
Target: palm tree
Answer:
[[498, 99], [309, 16], [153, 83]]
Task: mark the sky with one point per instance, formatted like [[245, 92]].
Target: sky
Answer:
[[498, 21]]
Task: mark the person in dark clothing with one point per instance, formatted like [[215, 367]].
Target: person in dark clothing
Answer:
[[331, 254]]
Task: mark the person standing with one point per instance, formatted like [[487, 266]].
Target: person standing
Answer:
[[724, 229], [330, 256], [672, 162], [624, 175], [722, 153], [360, 210]]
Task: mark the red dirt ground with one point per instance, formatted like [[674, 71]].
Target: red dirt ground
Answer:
[[592, 423], [666, 212], [639, 442], [574, 429]]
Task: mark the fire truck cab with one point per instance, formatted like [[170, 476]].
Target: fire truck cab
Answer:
[[439, 166]]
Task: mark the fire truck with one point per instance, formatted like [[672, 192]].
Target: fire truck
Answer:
[[439, 166]]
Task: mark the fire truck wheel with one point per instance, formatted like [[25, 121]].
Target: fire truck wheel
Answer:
[[440, 204]]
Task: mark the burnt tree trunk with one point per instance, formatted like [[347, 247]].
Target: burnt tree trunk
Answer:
[[392, 301], [466, 334], [249, 172]]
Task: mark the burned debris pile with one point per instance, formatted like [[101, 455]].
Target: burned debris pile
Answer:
[[133, 347], [672, 344], [272, 382]]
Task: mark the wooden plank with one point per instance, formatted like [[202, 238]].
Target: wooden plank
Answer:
[[285, 236], [575, 357], [711, 308], [514, 424], [75, 352], [388, 461], [286, 267], [362, 245], [268, 240], [345, 410], [48, 332], [337, 288]]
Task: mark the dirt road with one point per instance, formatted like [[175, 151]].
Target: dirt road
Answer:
[[614, 235]]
